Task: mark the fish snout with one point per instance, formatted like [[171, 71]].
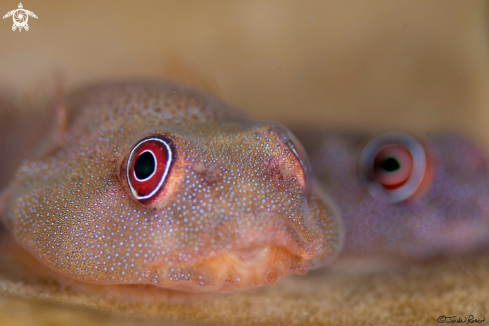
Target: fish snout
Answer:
[[287, 160], [268, 217], [258, 214]]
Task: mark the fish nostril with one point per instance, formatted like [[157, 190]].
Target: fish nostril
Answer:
[[298, 150], [300, 154]]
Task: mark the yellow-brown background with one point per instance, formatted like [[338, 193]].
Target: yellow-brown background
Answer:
[[386, 64], [413, 65]]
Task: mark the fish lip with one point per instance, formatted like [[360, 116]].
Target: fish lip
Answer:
[[231, 271]]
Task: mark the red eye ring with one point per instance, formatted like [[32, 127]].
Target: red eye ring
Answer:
[[385, 179], [147, 167], [393, 166]]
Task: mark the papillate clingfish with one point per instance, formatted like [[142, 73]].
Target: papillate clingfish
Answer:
[[156, 184]]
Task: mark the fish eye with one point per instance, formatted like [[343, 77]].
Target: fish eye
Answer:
[[394, 166], [148, 166]]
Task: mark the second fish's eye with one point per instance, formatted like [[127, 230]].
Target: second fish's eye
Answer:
[[148, 165], [394, 166]]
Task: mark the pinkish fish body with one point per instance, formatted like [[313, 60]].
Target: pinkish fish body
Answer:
[[150, 183], [401, 196]]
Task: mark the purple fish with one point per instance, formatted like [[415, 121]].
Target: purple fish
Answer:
[[400, 195]]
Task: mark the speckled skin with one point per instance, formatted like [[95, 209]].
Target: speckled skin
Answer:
[[450, 217], [237, 210]]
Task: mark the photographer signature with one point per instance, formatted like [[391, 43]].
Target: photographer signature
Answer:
[[460, 320]]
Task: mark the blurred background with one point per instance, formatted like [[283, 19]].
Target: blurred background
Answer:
[[419, 65], [376, 65]]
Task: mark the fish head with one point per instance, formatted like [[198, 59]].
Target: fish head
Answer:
[[401, 195], [161, 185]]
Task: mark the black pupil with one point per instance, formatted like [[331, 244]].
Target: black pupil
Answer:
[[390, 164], [144, 166]]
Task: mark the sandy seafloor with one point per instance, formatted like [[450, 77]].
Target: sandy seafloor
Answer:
[[414, 295], [418, 66]]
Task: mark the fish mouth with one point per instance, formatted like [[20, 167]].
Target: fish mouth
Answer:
[[263, 258], [232, 271]]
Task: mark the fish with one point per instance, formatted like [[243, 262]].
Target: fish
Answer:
[[402, 195], [151, 183]]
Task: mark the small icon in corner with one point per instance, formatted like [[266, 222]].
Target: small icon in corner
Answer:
[[20, 17]]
